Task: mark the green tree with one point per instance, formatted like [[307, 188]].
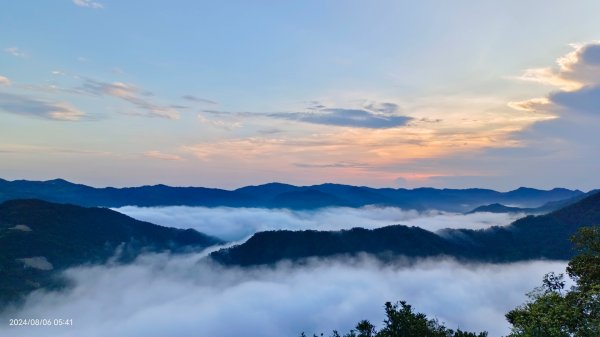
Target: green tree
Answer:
[[553, 311], [402, 321]]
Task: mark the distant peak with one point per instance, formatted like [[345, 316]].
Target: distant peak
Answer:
[[160, 185], [276, 183], [57, 181], [555, 189], [522, 188], [268, 186], [562, 189]]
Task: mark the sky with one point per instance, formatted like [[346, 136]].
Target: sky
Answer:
[[226, 94]]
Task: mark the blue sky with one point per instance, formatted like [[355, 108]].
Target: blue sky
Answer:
[[229, 93]]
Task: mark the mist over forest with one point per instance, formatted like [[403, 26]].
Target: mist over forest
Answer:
[[234, 224], [161, 295]]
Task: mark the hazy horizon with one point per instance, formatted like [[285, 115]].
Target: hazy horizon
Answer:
[[285, 183]]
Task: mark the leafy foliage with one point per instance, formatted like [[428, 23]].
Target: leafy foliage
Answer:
[[402, 321], [553, 311]]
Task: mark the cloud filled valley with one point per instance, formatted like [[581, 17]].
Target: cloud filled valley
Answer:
[[160, 294], [234, 224], [184, 295]]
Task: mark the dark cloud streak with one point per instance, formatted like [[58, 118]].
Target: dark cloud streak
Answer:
[[196, 99], [37, 108], [357, 118], [346, 117]]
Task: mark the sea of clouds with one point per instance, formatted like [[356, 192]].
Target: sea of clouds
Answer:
[[163, 295], [187, 295], [233, 224]]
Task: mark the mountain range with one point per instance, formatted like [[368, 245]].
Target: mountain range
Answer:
[[532, 237], [38, 238], [545, 208], [277, 195]]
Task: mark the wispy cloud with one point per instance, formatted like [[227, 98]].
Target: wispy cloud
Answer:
[[131, 94], [31, 107], [371, 116], [42, 149], [382, 107], [226, 124], [345, 117], [259, 148], [531, 105], [142, 102], [15, 51], [162, 156], [549, 76], [341, 164], [269, 131], [4, 81], [197, 99], [88, 4]]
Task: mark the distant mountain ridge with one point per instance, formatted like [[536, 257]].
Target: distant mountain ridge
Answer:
[[38, 237], [545, 208], [499, 208], [532, 237], [278, 195]]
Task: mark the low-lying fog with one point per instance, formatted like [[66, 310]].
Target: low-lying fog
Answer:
[[162, 295], [185, 295], [237, 223]]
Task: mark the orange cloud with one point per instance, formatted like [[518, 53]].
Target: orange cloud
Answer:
[[4, 81], [366, 154], [574, 70]]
